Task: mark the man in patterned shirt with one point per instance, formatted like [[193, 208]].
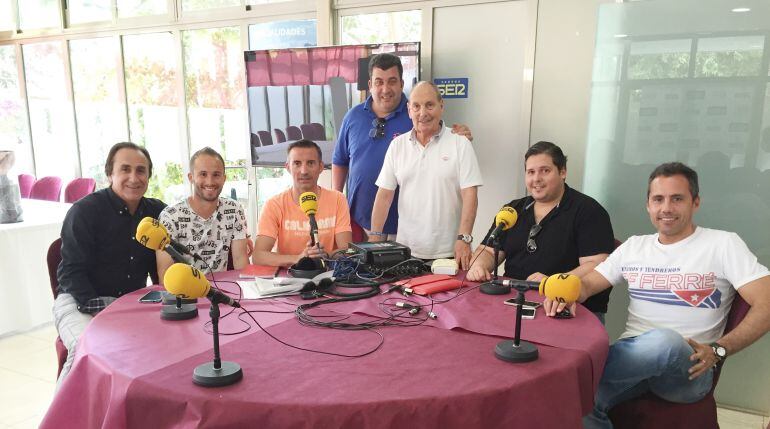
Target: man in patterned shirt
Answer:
[[210, 226]]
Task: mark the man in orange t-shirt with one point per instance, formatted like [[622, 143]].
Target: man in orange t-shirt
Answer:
[[284, 229]]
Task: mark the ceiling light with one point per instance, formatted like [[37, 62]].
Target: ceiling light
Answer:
[[741, 9]]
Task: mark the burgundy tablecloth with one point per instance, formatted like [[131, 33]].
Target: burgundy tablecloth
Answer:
[[134, 370]]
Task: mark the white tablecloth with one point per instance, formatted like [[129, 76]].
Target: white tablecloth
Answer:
[[25, 290]]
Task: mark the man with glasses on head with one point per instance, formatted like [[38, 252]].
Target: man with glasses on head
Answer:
[[558, 230], [364, 137], [438, 176]]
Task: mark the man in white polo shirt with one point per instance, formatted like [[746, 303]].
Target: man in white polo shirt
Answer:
[[438, 176]]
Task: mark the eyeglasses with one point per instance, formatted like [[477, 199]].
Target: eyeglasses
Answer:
[[378, 128], [531, 244]]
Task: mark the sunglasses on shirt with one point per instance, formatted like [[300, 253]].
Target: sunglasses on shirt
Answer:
[[531, 244], [378, 128]]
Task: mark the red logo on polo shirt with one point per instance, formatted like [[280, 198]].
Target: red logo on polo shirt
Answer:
[[694, 297]]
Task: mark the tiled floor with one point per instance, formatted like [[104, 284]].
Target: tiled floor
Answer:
[[28, 377]]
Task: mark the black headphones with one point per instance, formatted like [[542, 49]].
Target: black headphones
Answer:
[[312, 290], [306, 268]]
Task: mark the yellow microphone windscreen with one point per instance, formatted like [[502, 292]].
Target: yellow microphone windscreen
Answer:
[[152, 235], [308, 202], [507, 216], [561, 287], [186, 281]]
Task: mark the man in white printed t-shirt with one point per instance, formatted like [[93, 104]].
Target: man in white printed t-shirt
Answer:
[[437, 175], [682, 282], [211, 226]]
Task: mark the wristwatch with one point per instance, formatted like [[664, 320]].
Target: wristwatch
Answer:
[[466, 238], [719, 351]]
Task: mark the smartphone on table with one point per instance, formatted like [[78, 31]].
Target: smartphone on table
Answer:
[[531, 304], [151, 297], [528, 310]]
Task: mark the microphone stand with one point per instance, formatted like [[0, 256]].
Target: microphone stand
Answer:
[[179, 310], [216, 373], [490, 288], [516, 350]]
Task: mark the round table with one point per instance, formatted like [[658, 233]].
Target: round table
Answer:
[[135, 370]]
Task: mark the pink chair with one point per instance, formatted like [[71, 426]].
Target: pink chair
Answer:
[[293, 133], [53, 258], [48, 188], [265, 137], [25, 184], [78, 189], [650, 411], [314, 131], [280, 136]]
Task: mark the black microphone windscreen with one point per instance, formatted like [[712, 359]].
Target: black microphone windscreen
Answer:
[[306, 264], [325, 284]]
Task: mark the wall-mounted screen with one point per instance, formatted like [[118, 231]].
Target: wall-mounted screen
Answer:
[[301, 93]]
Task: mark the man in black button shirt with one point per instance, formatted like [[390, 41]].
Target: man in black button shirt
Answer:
[[101, 259], [558, 230]]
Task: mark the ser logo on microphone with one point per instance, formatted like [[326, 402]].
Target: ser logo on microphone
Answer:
[[307, 197], [195, 272], [143, 240]]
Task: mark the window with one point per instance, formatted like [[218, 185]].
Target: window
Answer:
[[153, 109], [136, 8], [39, 13], [14, 134], [50, 111], [404, 26], [214, 82], [282, 34], [81, 11], [216, 106], [252, 2], [729, 56], [190, 5], [99, 108], [659, 59], [6, 17]]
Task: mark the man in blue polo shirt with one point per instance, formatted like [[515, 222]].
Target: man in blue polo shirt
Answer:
[[365, 136]]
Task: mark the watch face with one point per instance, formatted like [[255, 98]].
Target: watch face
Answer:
[[719, 350]]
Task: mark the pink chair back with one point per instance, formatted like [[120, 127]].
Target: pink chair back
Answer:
[[25, 184], [265, 137], [48, 188], [314, 131], [78, 189], [280, 136], [293, 133]]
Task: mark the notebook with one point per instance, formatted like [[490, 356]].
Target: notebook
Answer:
[[262, 271], [279, 286]]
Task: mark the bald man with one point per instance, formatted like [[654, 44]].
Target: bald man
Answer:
[[438, 178]]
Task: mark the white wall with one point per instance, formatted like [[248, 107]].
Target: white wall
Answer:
[[566, 34]]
